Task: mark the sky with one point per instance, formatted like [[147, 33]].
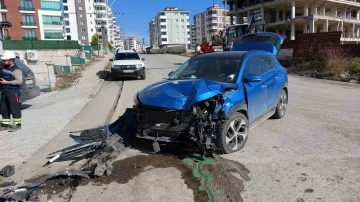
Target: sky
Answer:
[[138, 13]]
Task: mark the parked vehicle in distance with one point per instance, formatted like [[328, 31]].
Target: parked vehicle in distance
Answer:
[[29, 89], [127, 63], [213, 99]]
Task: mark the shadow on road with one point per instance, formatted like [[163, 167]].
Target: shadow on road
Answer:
[[25, 106], [179, 63], [106, 76]]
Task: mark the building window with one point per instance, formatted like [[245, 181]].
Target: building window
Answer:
[[53, 34], [67, 30], [182, 20], [28, 20], [52, 20], [3, 17], [79, 1], [29, 34], [66, 15], [49, 5], [65, 8], [67, 23], [81, 15], [83, 37], [80, 8], [164, 39], [83, 30], [26, 5], [82, 22]]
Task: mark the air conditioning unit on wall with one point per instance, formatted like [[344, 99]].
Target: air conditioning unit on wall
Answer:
[[20, 54], [32, 55]]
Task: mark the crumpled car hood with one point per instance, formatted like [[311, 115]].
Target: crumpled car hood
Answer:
[[181, 94]]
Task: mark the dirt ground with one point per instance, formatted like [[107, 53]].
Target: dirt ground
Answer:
[[210, 179]]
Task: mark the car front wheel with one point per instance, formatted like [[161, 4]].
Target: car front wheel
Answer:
[[233, 133], [281, 106]]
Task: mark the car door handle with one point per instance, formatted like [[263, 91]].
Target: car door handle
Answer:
[[278, 77], [263, 86]]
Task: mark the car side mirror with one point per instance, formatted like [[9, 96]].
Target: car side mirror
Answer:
[[143, 59], [111, 59], [253, 78], [170, 73]]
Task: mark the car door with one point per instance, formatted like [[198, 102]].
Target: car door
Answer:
[[255, 91], [269, 76]]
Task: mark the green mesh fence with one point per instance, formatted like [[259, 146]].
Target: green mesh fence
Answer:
[[77, 60], [39, 44]]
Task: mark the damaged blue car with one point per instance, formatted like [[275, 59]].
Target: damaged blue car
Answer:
[[212, 100]]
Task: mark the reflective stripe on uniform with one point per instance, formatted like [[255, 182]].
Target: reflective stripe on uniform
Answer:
[[5, 121], [16, 121]]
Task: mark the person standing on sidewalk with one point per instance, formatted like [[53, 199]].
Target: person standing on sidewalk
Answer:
[[10, 81]]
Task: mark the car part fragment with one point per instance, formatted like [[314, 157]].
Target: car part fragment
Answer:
[[22, 193], [7, 171]]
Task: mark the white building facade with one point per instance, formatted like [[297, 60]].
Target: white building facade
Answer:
[[172, 27], [50, 20], [84, 19]]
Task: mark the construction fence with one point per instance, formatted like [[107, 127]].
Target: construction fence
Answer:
[[39, 44]]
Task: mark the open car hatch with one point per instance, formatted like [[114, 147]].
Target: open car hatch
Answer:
[[264, 41]]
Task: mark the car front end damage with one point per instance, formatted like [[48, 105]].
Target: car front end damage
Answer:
[[195, 128]]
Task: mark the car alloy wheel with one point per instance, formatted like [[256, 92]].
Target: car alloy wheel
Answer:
[[234, 133], [283, 103], [237, 134]]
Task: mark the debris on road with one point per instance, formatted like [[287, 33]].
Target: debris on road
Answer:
[[26, 192], [7, 171]]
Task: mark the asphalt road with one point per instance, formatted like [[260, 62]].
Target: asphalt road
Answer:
[[312, 154]]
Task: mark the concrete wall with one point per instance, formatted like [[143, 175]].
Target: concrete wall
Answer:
[[171, 49], [56, 57]]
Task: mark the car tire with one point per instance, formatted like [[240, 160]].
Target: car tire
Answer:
[[238, 123], [281, 105], [143, 77]]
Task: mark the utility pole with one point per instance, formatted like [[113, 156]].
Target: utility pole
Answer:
[[143, 45]]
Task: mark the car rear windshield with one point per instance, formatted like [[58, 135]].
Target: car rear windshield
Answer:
[[127, 56], [214, 69]]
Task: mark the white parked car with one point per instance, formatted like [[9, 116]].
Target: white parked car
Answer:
[[127, 63]]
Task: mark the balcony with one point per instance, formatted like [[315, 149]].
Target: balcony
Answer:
[[30, 38], [51, 9], [52, 23], [3, 8], [28, 24], [26, 9]]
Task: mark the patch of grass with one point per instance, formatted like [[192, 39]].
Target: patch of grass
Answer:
[[329, 63]]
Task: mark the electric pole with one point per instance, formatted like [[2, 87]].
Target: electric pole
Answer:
[[143, 45]]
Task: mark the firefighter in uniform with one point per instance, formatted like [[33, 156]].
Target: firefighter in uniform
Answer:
[[10, 80]]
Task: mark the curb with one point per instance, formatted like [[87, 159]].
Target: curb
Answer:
[[114, 105]]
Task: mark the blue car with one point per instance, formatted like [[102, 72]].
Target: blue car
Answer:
[[212, 100]]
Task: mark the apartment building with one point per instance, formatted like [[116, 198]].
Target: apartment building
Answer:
[[172, 27], [210, 22], [85, 18], [50, 20], [32, 19], [152, 32], [193, 44], [130, 43], [23, 15], [301, 16]]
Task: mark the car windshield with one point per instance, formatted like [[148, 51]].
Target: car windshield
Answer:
[[214, 69], [127, 56]]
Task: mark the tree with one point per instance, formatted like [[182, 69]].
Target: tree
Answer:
[[94, 40], [110, 46]]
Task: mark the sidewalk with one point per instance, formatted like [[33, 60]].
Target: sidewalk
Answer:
[[47, 115]]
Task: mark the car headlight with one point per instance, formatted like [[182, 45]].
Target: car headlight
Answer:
[[138, 65], [135, 99]]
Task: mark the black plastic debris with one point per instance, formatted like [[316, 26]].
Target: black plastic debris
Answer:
[[7, 171], [24, 192]]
